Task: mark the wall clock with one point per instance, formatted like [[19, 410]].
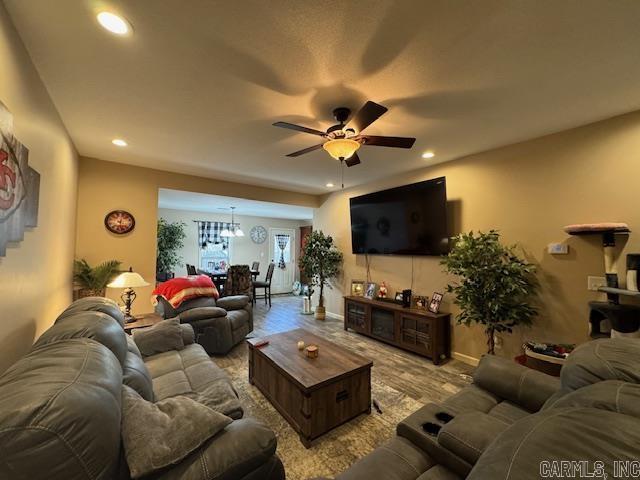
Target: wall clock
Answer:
[[119, 222], [258, 234]]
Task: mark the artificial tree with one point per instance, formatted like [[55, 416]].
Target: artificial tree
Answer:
[[93, 280], [320, 262], [170, 241], [495, 287]]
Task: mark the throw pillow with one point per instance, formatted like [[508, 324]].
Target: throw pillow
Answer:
[[156, 435], [178, 290], [162, 337]]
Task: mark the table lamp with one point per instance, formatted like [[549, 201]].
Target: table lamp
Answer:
[[128, 280]]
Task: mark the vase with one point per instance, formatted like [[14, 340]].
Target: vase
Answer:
[[321, 313]]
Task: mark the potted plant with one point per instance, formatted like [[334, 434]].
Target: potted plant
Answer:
[[93, 280], [495, 287], [320, 262], [170, 241]]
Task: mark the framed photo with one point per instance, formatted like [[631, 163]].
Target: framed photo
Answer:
[[419, 301], [434, 304], [370, 292], [399, 296], [357, 288]]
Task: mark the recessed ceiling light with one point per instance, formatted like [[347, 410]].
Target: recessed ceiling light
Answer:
[[428, 155], [119, 142], [329, 185], [114, 23]]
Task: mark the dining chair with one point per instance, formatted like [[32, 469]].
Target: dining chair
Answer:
[[238, 281], [266, 284], [191, 270], [255, 266]]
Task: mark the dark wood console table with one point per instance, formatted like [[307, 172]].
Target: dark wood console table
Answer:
[[419, 331]]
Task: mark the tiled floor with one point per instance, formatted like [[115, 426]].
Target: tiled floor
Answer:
[[401, 383]]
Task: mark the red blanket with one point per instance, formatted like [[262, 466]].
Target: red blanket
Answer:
[[181, 289]]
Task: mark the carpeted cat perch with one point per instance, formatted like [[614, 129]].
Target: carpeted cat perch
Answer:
[[609, 317]]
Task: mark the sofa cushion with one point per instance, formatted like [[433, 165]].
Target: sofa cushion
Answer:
[[95, 325], [136, 375], [613, 395], [398, 459], [470, 399], [439, 472], [161, 337], [94, 304], [200, 302], [598, 360], [191, 371], [156, 435], [526, 449], [508, 412], [60, 413]]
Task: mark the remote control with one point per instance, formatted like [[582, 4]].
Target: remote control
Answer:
[[261, 344]]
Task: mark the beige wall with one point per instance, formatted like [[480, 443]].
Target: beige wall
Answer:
[[243, 249], [105, 186], [35, 275], [528, 191]]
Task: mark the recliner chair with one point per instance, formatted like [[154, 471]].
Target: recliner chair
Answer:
[[219, 325]]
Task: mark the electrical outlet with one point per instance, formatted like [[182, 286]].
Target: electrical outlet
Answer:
[[558, 248], [594, 283]]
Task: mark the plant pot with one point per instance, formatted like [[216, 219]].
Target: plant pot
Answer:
[[90, 292], [321, 313]]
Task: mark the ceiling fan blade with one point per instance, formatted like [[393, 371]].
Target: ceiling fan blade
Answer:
[[305, 150], [352, 160], [299, 128], [395, 142], [368, 114]]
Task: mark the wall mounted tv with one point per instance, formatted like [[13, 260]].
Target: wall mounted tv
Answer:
[[408, 220]]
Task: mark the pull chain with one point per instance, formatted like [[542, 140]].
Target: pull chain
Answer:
[[342, 172]]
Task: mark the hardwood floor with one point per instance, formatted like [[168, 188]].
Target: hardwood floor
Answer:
[[401, 383]]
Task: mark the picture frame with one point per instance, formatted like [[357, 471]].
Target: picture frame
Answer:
[[420, 302], [398, 296], [357, 288], [436, 300], [370, 291]]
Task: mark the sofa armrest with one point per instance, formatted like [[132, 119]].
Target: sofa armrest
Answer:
[[201, 313], [188, 335], [233, 302], [516, 383], [243, 447]]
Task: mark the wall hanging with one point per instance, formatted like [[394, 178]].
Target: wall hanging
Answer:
[[19, 185]]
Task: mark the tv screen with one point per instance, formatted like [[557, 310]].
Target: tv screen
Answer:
[[408, 220]]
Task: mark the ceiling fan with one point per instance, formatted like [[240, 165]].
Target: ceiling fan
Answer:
[[342, 141]]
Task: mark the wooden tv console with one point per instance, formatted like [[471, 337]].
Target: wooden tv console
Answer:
[[419, 331]]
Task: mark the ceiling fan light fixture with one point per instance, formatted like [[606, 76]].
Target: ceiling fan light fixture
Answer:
[[341, 148]]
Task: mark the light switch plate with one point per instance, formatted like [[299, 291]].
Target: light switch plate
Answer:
[[593, 283], [558, 248]]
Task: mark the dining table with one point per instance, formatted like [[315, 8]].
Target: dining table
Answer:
[[220, 277]]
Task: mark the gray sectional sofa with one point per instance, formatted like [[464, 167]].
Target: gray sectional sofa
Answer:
[[60, 405], [518, 424]]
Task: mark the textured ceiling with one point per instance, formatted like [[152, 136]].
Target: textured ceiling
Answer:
[[197, 86]]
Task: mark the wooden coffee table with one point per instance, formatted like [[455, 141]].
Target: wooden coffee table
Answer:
[[313, 395]]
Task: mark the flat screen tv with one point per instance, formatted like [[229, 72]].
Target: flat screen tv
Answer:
[[408, 220]]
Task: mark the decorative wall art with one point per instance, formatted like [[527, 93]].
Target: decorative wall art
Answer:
[[19, 185]]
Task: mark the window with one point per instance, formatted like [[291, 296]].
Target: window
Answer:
[[214, 257]]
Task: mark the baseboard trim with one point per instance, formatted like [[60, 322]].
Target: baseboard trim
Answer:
[[468, 359], [336, 316]]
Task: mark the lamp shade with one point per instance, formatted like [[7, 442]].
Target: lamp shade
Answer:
[[128, 279], [341, 148]]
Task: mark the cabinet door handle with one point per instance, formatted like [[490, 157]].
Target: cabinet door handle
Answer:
[[342, 396]]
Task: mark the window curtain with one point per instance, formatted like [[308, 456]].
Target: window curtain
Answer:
[[209, 232], [283, 241]]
